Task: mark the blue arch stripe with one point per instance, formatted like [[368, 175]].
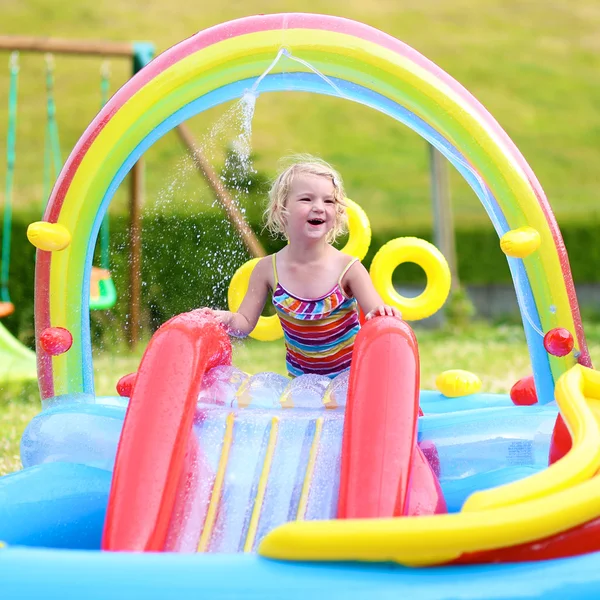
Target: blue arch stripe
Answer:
[[309, 82]]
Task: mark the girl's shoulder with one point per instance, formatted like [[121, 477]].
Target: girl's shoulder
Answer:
[[265, 271], [351, 270], [345, 260]]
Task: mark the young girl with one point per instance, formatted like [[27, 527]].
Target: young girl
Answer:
[[315, 287]]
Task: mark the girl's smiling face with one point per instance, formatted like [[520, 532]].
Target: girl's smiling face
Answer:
[[310, 208]]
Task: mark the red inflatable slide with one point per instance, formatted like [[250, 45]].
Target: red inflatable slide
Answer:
[[384, 473], [153, 467]]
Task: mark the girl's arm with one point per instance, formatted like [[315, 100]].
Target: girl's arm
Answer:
[[242, 322], [358, 281]]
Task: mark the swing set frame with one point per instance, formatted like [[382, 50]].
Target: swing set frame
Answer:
[[140, 54]]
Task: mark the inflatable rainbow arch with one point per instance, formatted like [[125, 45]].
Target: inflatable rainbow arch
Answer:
[[366, 66], [370, 67]]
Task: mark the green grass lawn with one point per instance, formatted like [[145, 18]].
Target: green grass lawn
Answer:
[[533, 64], [498, 355]]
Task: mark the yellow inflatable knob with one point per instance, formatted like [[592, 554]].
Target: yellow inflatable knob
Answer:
[[520, 242], [457, 382], [359, 230], [48, 236]]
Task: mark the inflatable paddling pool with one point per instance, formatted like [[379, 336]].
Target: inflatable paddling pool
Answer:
[[208, 483]]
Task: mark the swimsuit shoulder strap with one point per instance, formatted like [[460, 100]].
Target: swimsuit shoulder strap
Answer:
[[276, 279], [346, 270]]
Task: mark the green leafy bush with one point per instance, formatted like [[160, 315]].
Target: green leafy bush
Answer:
[[188, 262]]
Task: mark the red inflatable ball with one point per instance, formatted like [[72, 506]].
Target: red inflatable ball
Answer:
[[125, 385], [523, 392], [56, 340], [558, 342]]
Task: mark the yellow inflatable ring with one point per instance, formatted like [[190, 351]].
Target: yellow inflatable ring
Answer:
[[359, 231], [267, 329], [429, 258]]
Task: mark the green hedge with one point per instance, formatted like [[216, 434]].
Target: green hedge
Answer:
[[188, 262]]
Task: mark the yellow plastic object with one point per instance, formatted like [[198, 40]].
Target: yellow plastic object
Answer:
[[520, 242], [243, 395], [456, 382], [329, 400], [429, 258], [267, 329], [359, 230], [567, 496], [48, 236], [263, 480], [215, 497], [310, 470], [286, 400]]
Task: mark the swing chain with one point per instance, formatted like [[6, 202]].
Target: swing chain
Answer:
[[13, 62], [105, 69], [50, 65]]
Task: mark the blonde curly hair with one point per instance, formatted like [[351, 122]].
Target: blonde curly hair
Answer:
[[304, 164]]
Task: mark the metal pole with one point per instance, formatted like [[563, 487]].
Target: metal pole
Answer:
[[443, 224]]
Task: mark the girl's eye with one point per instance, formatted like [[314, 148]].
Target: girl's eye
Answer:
[[329, 201], [304, 199]]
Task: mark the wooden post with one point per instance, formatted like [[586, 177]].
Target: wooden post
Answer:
[[135, 251], [142, 53], [235, 216], [25, 43], [443, 224]]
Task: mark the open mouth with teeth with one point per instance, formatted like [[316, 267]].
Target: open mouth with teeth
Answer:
[[316, 221]]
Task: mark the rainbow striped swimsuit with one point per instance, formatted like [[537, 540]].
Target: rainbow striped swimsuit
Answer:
[[319, 334]]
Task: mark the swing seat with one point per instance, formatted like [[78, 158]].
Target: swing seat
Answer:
[[6, 308], [103, 294]]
